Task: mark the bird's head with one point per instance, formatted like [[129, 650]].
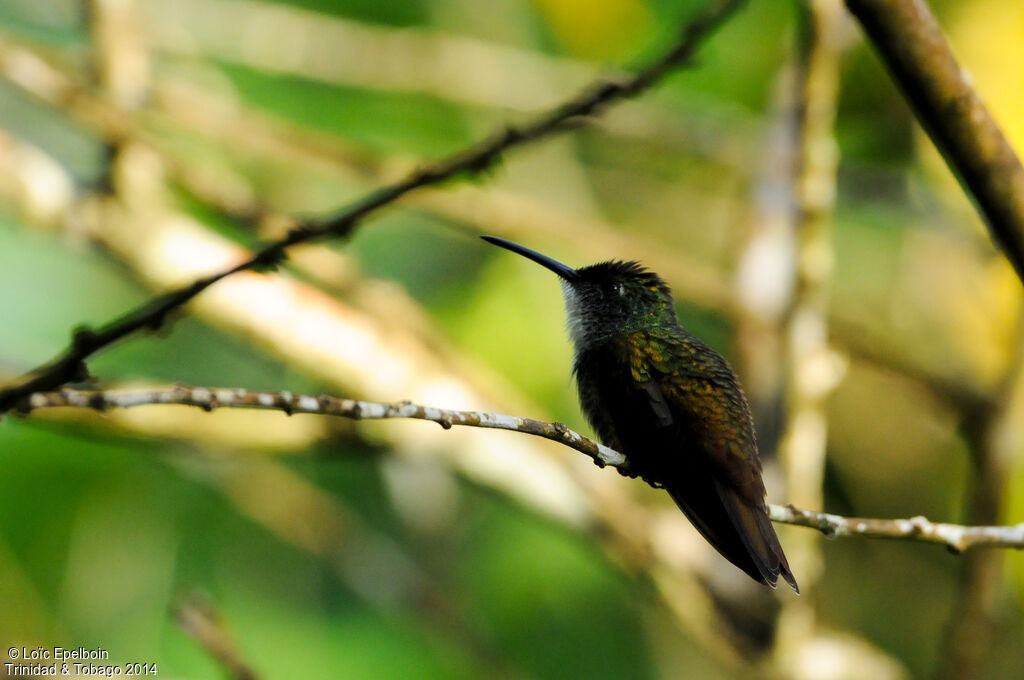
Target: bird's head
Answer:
[[606, 298]]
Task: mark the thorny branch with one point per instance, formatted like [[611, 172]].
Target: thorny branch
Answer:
[[955, 537], [70, 365]]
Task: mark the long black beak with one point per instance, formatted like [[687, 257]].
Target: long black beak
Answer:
[[567, 273]]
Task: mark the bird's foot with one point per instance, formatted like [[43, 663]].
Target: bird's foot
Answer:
[[626, 470]]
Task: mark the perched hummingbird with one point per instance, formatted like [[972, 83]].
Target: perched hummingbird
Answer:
[[670, 404]]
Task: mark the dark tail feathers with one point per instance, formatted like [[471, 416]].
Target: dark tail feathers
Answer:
[[742, 533]]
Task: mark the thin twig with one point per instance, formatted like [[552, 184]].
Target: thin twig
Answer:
[[201, 622], [910, 41], [70, 365], [955, 537], [322, 404]]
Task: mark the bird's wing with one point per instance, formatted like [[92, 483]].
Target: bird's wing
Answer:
[[699, 404], [700, 420]]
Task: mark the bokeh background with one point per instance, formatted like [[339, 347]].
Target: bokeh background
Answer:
[[143, 143]]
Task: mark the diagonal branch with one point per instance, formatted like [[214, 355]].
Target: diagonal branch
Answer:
[[955, 537], [70, 364], [196, 616], [910, 42]]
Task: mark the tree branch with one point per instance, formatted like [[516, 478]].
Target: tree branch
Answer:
[[322, 404], [200, 621], [955, 537], [910, 41], [70, 364]]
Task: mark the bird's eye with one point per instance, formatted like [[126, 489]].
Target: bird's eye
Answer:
[[620, 290]]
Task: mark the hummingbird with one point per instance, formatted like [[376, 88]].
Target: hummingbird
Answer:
[[670, 404]]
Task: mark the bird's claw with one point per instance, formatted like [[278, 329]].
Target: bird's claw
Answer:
[[627, 471]]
